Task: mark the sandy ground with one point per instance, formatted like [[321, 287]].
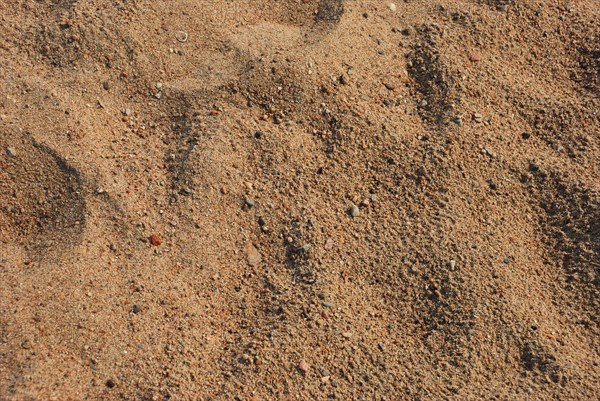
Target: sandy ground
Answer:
[[302, 199]]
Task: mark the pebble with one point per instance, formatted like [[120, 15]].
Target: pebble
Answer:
[[303, 366], [252, 255], [452, 264], [459, 121], [329, 244], [11, 152], [106, 85], [475, 57], [249, 202], [305, 248], [347, 334], [136, 309], [423, 103], [477, 117], [389, 86], [392, 6], [506, 261], [354, 211], [327, 304], [488, 152], [155, 240]]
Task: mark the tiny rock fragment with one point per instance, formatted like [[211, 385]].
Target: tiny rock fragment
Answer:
[[475, 57], [305, 248], [155, 240], [252, 255], [329, 244], [303, 366], [488, 152], [11, 152], [354, 211]]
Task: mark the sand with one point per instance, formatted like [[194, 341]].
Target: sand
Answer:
[[299, 200]]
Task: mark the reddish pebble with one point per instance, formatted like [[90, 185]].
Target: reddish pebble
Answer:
[[214, 112], [303, 366], [475, 57], [155, 240]]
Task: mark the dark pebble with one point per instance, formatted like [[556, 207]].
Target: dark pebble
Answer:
[[136, 309]]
